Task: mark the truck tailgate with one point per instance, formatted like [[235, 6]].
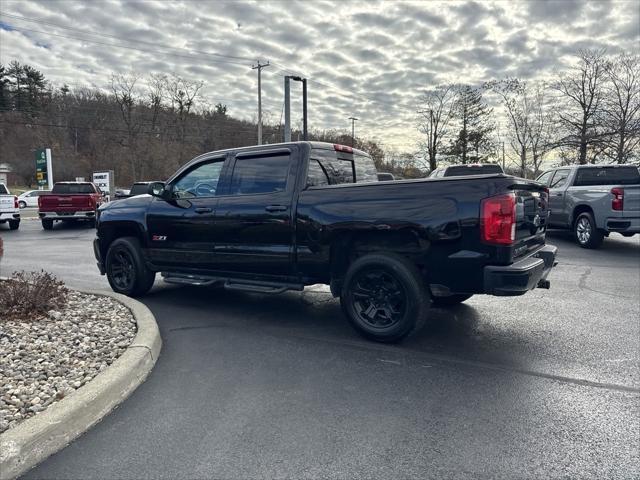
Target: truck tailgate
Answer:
[[631, 206], [65, 203], [7, 202], [532, 209]]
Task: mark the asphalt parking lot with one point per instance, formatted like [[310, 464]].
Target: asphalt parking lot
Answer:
[[249, 386]]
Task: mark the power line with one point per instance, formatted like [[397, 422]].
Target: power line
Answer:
[[117, 37]]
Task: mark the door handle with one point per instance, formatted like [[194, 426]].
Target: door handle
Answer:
[[276, 208], [203, 210], [557, 194]]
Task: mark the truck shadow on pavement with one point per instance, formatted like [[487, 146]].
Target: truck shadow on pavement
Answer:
[[316, 316]]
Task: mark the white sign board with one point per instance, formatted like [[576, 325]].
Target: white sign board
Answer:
[[104, 181]]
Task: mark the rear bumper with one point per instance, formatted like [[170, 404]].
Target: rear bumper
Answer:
[[521, 276], [4, 216], [623, 224], [78, 215]]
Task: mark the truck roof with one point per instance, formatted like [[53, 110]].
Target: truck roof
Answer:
[[312, 144]]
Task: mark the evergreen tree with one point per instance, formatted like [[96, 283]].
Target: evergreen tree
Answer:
[[474, 122]]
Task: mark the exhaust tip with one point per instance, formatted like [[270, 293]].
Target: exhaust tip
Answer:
[[546, 284]]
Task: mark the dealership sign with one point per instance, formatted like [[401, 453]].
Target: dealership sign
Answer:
[[104, 181]]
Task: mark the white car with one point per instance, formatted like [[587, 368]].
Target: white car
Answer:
[[9, 211], [30, 198]]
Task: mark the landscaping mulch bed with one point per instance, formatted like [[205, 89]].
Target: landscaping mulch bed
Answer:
[[47, 357]]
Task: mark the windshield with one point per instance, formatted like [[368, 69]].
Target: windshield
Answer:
[[607, 176], [72, 188], [139, 189], [460, 170]]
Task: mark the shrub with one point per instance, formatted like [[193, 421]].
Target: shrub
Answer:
[[31, 294]]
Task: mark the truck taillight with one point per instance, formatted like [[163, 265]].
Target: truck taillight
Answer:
[[498, 219], [618, 199], [15, 202]]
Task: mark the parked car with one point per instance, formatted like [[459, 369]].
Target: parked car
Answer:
[[594, 200], [9, 209], [466, 169], [30, 198], [278, 217], [70, 202], [138, 188]]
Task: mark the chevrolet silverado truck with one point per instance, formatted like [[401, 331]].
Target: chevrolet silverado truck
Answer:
[[69, 202], [280, 217], [594, 200], [9, 208]]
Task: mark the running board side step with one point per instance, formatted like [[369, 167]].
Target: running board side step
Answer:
[[255, 286]]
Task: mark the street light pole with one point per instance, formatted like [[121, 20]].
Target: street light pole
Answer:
[[259, 67], [353, 130], [287, 107]]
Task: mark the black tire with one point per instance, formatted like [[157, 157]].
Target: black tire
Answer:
[[126, 270], [14, 224], [47, 224], [22, 204], [92, 223], [451, 300], [586, 233], [384, 297]]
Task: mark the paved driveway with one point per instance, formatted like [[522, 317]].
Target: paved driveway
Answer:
[[251, 386]]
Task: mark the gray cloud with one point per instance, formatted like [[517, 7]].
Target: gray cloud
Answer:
[[366, 58]]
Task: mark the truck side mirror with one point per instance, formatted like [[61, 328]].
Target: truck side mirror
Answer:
[[156, 189]]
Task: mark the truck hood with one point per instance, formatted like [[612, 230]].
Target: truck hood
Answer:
[[136, 202]]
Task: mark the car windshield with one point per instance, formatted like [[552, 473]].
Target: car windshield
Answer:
[[72, 188], [607, 176], [461, 170], [139, 189]]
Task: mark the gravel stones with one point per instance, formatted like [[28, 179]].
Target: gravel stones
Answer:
[[43, 360]]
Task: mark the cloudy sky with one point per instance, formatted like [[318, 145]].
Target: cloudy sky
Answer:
[[369, 59]]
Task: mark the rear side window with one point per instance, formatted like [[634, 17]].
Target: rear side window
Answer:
[[72, 188], [263, 174], [343, 167], [316, 175], [559, 179], [607, 176]]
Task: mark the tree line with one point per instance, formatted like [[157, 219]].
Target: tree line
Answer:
[[589, 113], [143, 128]]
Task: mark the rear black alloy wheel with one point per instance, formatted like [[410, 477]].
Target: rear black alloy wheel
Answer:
[[47, 224], [379, 300], [384, 297]]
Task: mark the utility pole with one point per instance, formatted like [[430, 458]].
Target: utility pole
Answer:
[[287, 110], [287, 107], [259, 67], [353, 130], [503, 156]]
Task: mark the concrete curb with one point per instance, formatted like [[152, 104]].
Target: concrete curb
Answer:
[[29, 443]]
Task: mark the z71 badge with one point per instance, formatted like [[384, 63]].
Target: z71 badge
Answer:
[[159, 238]]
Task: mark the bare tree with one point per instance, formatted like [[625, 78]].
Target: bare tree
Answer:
[[621, 108], [582, 89], [123, 88], [183, 94], [436, 112]]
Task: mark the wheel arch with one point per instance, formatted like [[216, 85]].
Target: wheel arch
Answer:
[[579, 210], [110, 232]]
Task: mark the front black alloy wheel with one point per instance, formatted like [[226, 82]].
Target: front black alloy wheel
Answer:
[[126, 269], [384, 297]]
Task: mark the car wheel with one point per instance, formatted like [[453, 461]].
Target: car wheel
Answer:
[[22, 204], [586, 233], [92, 223], [384, 297], [450, 300], [14, 224], [47, 224], [126, 270]]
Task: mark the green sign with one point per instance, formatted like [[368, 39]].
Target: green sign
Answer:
[[41, 167]]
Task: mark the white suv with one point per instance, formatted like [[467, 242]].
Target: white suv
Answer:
[[9, 210]]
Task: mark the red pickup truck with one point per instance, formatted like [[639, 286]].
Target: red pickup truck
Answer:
[[70, 202]]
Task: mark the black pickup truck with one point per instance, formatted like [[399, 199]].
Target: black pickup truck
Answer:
[[279, 217]]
